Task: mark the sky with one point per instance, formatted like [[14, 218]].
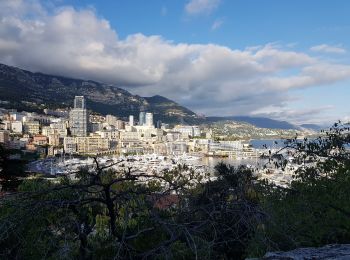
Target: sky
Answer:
[[286, 60]]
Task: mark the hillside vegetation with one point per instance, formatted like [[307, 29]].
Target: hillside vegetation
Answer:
[[33, 91]]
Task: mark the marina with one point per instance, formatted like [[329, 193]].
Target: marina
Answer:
[[141, 163], [153, 163]]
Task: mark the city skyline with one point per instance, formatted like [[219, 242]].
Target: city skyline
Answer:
[[174, 129], [285, 61]]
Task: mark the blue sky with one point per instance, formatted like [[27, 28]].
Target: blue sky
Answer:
[[244, 22], [282, 59]]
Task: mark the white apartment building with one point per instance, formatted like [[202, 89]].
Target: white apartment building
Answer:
[[188, 131], [17, 127]]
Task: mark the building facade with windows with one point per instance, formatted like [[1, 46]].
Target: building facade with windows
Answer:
[[78, 117]]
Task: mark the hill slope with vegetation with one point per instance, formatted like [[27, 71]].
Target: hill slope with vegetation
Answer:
[[33, 91]]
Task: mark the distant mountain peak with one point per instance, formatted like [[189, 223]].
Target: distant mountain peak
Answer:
[[17, 85], [261, 122], [158, 98]]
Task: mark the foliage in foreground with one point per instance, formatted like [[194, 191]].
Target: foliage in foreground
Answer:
[[106, 214], [315, 209], [11, 169]]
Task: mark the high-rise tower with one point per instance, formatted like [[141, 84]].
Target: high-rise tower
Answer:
[[79, 102], [142, 118], [131, 120], [149, 120], [78, 117]]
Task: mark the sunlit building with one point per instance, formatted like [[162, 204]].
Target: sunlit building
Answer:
[[149, 119]]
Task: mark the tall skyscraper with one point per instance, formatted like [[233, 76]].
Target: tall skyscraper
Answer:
[[78, 117], [79, 102], [149, 119], [142, 118], [131, 120]]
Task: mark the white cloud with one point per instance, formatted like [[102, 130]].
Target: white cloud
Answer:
[[328, 49], [194, 7], [217, 24], [208, 78], [316, 115]]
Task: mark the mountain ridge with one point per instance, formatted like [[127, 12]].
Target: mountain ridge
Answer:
[[262, 122], [18, 86], [22, 87]]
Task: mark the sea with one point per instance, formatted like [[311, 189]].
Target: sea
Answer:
[[211, 162]]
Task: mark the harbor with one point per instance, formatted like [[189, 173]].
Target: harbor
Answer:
[[154, 163]]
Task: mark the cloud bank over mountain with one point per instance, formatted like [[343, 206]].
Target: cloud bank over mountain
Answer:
[[208, 78]]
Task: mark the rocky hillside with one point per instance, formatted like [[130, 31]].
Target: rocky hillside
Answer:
[[30, 91], [33, 91], [261, 122], [232, 130]]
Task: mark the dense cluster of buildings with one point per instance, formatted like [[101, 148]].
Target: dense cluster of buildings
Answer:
[[77, 132]]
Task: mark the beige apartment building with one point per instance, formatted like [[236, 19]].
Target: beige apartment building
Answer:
[[4, 136], [91, 144], [31, 127], [40, 139], [54, 139]]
